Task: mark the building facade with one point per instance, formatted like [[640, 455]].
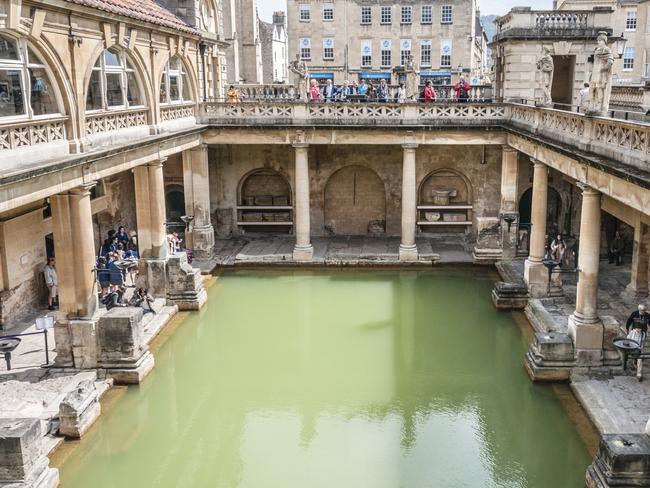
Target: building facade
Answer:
[[274, 48], [242, 30], [368, 39]]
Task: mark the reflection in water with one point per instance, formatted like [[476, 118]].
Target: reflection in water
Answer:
[[338, 379]]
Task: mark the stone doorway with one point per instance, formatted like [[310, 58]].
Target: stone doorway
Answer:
[[355, 202], [175, 202], [562, 87], [554, 209]]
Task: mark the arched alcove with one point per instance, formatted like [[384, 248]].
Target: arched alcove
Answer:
[[355, 202], [554, 208], [174, 202], [445, 201], [265, 202]]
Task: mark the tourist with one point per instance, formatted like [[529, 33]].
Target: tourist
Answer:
[[233, 95], [116, 277], [429, 93], [462, 90], [637, 330], [115, 298], [314, 92], [558, 249], [372, 93], [383, 91], [355, 88], [576, 252], [329, 92], [51, 281], [583, 98], [616, 249], [122, 236], [132, 255], [400, 96], [103, 275], [547, 247], [142, 298], [345, 91], [362, 89]]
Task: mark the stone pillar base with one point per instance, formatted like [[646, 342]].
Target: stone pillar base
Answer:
[[135, 373], [203, 241], [550, 357], [63, 341], [84, 343], [587, 336], [23, 463], [486, 256], [536, 278], [79, 410], [632, 294], [151, 275], [488, 240], [408, 254], [303, 254], [185, 284], [509, 296], [623, 460]]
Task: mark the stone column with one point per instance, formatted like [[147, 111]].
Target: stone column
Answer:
[[585, 327], [196, 182], [408, 250], [509, 208], [152, 235], [535, 274], [638, 288], [303, 250], [74, 248]]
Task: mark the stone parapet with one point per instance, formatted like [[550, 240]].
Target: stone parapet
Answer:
[[184, 283], [623, 460]]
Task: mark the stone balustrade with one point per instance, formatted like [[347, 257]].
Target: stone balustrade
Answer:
[[561, 20], [630, 97], [17, 135], [110, 121], [173, 112], [550, 23]]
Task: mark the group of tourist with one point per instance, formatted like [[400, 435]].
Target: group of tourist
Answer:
[[118, 259], [559, 251]]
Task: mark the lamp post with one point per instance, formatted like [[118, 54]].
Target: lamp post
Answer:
[[621, 42]]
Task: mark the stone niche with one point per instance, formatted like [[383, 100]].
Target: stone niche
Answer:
[[440, 189], [123, 352], [23, 463]]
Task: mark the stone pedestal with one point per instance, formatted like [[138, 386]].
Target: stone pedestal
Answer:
[[550, 357], [202, 241], [303, 250], [79, 410], [407, 249], [22, 461], [84, 343], [536, 278], [509, 296], [123, 352], [588, 340], [152, 274], [488, 241], [184, 283], [623, 460]]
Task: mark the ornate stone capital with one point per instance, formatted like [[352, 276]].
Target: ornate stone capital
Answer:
[[82, 189], [587, 190]]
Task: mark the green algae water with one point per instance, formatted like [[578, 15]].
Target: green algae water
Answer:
[[339, 379]]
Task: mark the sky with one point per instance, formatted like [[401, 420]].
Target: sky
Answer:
[[488, 7]]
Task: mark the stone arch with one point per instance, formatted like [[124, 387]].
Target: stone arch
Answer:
[[355, 202], [442, 187], [263, 182], [174, 201], [265, 198], [189, 72], [554, 208]]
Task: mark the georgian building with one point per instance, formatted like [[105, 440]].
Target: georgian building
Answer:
[[355, 39]]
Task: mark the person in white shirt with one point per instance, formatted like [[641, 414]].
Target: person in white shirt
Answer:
[[583, 98], [51, 281]]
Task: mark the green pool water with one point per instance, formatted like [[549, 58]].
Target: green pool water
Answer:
[[341, 379]]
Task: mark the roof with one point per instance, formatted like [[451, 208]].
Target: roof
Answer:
[[143, 10]]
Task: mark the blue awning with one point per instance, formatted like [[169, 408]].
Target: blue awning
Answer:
[[435, 73], [320, 76], [374, 76]]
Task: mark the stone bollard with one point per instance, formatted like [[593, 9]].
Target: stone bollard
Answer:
[[79, 410], [184, 283], [22, 461], [623, 460], [123, 352]]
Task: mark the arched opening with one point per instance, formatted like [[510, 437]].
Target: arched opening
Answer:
[[554, 208], [175, 84], [175, 202], [445, 202], [355, 202], [265, 203], [114, 83]]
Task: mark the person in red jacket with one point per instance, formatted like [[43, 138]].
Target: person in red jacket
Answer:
[[429, 92], [462, 90]]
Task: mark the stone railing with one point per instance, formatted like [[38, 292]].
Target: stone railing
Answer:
[[32, 133], [630, 97], [540, 23], [109, 121], [561, 20], [264, 92], [293, 113], [173, 112], [623, 141]]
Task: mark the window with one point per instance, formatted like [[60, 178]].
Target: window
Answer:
[[366, 15], [387, 15], [386, 53], [19, 66], [113, 83], [446, 14], [366, 53], [328, 48], [305, 48], [445, 53], [174, 84], [407, 15], [425, 52], [405, 51], [208, 16], [630, 22], [328, 12], [426, 14], [628, 59], [305, 12]]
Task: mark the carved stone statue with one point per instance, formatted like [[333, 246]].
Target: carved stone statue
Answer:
[[600, 88], [546, 67], [412, 85], [301, 77]]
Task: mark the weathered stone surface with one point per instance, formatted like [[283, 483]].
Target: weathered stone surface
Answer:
[[488, 241], [184, 283], [79, 410], [510, 296], [22, 462], [550, 357], [623, 460]]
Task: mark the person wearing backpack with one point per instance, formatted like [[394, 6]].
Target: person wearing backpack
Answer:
[[462, 90]]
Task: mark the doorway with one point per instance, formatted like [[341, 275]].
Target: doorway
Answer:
[[562, 87]]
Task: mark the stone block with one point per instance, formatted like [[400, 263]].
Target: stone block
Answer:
[[509, 296], [84, 343], [550, 357], [536, 278], [184, 284], [586, 335], [22, 462], [623, 460], [152, 275], [79, 410]]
